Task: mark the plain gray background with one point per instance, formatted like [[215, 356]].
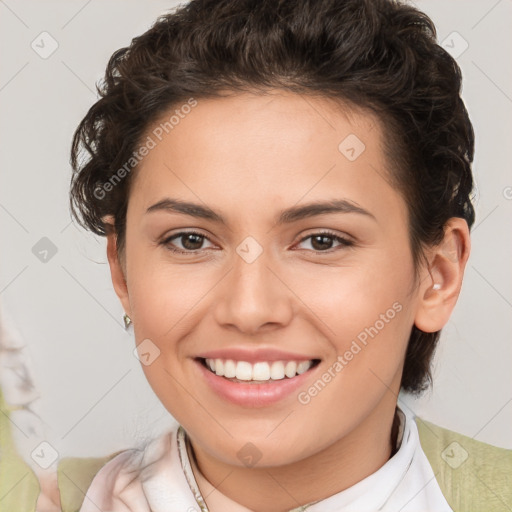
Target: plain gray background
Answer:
[[93, 397]]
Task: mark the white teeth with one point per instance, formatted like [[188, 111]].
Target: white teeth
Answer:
[[290, 369], [260, 371], [219, 367], [243, 370], [230, 369], [277, 370], [303, 366]]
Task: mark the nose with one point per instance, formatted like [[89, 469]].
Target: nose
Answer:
[[253, 297]]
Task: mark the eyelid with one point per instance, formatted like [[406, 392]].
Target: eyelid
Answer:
[[329, 232], [344, 240], [166, 240]]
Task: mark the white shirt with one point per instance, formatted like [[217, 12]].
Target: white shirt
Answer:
[[160, 479]]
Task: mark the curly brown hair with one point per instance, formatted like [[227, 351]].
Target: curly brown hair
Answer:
[[377, 55]]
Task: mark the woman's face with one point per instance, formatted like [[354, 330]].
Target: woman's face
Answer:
[[300, 254]]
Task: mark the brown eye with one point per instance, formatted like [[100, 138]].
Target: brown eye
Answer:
[[323, 242], [191, 241]]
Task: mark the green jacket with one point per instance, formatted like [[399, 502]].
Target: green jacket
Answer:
[[473, 476]]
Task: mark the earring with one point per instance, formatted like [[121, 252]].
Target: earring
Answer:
[[436, 286], [127, 321]]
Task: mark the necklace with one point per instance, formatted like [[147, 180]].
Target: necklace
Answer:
[[186, 454]]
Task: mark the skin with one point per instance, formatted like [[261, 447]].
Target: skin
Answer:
[[49, 496], [248, 157]]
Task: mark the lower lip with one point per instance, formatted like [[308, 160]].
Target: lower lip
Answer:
[[250, 394]]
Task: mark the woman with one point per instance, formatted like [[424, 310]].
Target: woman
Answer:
[[285, 191]]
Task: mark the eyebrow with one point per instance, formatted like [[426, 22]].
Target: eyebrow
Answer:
[[286, 216]]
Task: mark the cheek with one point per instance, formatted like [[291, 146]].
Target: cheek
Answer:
[[161, 311], [168, 304], [163, 294], [366, 291], [366, 315], [368, 330]]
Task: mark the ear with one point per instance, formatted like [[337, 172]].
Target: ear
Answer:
[[442, 280], [117, 272]]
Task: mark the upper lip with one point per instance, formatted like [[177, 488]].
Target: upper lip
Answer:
[[253, 356]]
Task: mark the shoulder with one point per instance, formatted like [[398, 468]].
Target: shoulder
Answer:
[[76, 475], [471, 474], [115, 481]]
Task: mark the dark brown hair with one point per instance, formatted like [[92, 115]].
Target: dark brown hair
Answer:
[[377, 55]]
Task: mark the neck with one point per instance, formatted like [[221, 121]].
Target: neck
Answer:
[[281, 488]]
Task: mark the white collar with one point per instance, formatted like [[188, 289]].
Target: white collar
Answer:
[[160, 479]]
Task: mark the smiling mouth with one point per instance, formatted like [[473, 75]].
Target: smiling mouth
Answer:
[[258, 373]]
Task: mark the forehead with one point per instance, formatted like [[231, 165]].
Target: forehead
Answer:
[[253, 151]]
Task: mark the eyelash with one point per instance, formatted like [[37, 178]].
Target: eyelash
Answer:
[[344, 242]]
